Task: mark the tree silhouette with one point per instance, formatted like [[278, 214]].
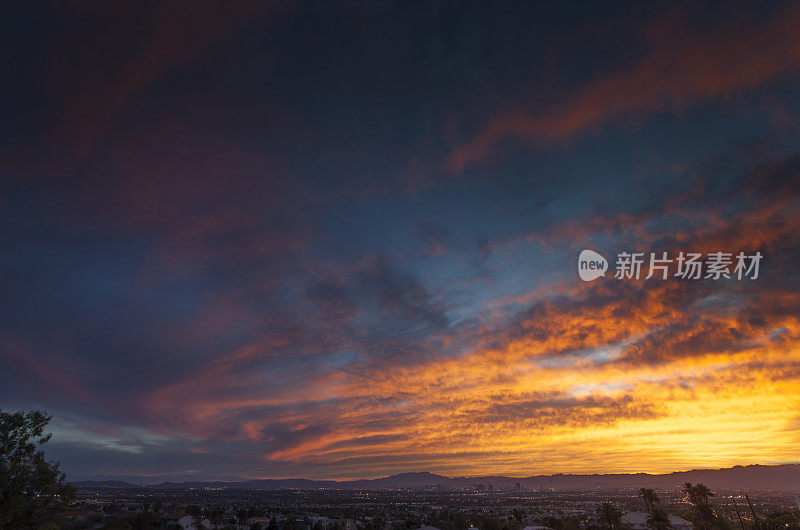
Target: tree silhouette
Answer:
[[700, 498], [659, 520], [31, 488], [608, 516], [650, 499]]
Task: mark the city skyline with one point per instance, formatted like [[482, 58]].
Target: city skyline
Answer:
[[341, 241]]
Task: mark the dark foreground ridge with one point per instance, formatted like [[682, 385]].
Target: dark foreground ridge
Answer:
[[778, 478]]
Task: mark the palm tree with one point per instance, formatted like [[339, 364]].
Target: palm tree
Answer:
[[608, 516], [650, 499], [659, 520], [704, 493], [699, 496]]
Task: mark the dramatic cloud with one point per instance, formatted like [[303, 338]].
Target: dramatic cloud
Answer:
[[231, 248], [724, 59]]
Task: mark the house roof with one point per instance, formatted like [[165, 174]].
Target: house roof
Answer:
[[640, 519]]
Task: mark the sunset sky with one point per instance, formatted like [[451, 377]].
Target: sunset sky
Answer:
[[340, 239]]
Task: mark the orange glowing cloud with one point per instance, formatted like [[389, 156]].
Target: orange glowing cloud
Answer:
[[640, 370], [719, 62]]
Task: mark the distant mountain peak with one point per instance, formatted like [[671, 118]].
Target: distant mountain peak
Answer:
[[412, 474], [753, 477]]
